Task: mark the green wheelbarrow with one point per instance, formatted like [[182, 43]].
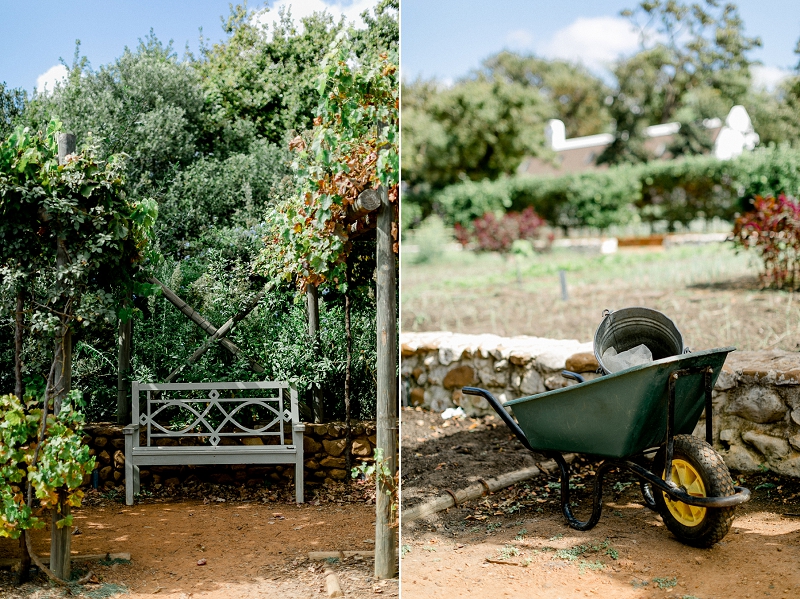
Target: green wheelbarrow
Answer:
[[628, 416]]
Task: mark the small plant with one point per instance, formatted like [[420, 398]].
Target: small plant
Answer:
[[508, 551], [521, 534], [596, 565], [493, 526], [772, 229], [666, 583], [381, 474], [492, 234], [405, 549]]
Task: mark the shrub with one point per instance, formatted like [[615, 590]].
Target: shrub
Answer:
[[772, 229], [492, 234]]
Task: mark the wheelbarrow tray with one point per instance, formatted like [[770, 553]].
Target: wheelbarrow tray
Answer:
[[620, 414]]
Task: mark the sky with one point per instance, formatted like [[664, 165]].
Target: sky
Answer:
[[446, 39], [35, 35]]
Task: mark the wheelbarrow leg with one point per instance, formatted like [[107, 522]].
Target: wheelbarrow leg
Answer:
[[597, 494]]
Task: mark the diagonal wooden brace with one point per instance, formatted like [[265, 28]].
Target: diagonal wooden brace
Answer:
[[217, 335]]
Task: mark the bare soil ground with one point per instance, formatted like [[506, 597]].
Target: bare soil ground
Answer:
[[712, 293], [629, 554], [252, 549]]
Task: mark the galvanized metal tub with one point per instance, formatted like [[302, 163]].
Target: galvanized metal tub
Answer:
[[620, 414], [630, 327]]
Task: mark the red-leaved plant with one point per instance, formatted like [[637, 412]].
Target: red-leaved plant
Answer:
[[772, 229], [490, 234]]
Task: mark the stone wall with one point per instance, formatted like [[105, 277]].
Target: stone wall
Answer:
[[324, 447], [756, 398]]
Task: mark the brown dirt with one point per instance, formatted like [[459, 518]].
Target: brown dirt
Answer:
[[713, 296], [629, 554], [252, 549]]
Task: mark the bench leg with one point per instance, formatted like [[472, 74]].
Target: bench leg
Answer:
[[136, 488], [129, 481], [298, 479]]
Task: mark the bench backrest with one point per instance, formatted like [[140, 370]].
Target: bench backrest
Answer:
[[215, 410]]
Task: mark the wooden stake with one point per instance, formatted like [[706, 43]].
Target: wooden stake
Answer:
[[386, 421]]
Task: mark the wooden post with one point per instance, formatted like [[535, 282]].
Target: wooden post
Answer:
[[386, 300], [123, 370], [60, 538], [312, 304], [348, 341]]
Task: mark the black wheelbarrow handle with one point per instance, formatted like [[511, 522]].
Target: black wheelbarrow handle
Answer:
[[501, 411]]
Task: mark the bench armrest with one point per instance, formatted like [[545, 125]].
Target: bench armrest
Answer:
[[131, 429], [300, 428]]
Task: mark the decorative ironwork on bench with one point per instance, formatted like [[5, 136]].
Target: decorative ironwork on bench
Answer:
[[214, 417]]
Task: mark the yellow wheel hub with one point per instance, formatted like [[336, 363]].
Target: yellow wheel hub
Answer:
[[687, 477]]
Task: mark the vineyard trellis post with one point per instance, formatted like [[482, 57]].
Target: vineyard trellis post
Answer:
[[386, 417]]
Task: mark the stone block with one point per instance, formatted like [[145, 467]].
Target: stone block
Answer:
[[361, 447], [118, 443], [773, 448], [438, 399], [460, 376], [582, 362], [252, 441], [119, 459], [100, 442], [104, 457], [739, 458], [116, 475], [105, 472], [172, 482], [757, 404], [531, 382], [311, 446], [417, 397], [337, 474], [330, 462], [334, 447]]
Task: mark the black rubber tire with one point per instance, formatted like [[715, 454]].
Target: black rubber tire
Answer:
[[717, 482]]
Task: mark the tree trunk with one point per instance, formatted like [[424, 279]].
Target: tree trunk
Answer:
[[60, 538], [19, 321], [385, 536], [312, 304], [123, 370], [348, 339]]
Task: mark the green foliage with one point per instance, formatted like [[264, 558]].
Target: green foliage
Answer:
[[479, 128], [676, 191], [380, 473], [61, 461], [353, 146], [80, 205], [12, 106]]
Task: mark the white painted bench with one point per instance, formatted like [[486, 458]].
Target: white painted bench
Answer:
[[210, 412]]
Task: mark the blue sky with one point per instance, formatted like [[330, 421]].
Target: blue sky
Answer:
[[445, 39], [35, 34]]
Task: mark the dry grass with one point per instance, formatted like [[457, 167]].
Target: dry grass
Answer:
[[711, 293]]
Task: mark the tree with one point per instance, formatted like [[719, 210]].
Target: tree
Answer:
[[70, 245], [476, 129], [575, 96], [686, 48], [12, 106]]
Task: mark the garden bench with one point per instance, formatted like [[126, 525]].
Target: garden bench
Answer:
[[212, 413]]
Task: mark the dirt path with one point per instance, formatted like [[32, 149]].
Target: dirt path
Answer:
[[629, 554], [251, 549]]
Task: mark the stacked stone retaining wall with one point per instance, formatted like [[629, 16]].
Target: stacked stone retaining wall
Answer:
[[324, 446], [756, 398]]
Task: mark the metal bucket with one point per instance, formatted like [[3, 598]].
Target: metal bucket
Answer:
[[629, 327]]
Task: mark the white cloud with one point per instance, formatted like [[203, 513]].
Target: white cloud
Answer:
[[47, 80], [768, 77], [305, 8], [596, 42], [519, 39]]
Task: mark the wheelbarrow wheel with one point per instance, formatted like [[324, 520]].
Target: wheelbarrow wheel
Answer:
[[698, 469]]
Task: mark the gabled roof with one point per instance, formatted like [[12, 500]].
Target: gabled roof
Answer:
[[579, 154]]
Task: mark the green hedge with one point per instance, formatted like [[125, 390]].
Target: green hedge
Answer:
[[676, 191]]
